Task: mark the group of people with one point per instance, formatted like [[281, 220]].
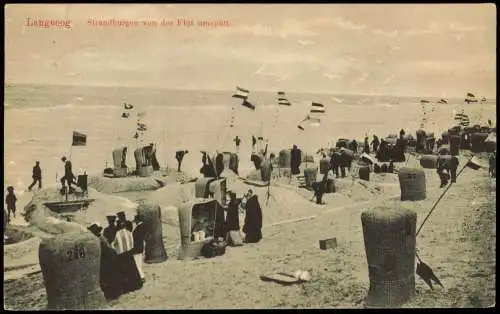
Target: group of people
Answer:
[[252, 226], [122, 254]]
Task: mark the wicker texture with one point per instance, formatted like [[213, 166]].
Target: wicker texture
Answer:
[[70, 266], [428, 161], [284, 158], [155, 249], [412, 184], [477, 142], [324, 165], [265, 171], [390, 239], [310, 175]]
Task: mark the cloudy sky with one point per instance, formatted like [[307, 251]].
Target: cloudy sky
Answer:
[[414, 50]]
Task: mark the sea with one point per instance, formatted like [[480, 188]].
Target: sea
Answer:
[[39, 121]]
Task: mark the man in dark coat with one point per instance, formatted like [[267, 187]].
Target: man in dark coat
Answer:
[[375, 143], [254, 142], [232, 222], [37, 176], [253, 219], [295, 160], [335, 162], [443, 168], [68, 177], [319, 188], [139, 235], [179, 155]]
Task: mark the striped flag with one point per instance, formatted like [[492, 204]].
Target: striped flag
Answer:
[[79, 139], [282, 100], [470, 98], [317, 108], [474, 163], [462, 119], [241, 93], [442, 101]]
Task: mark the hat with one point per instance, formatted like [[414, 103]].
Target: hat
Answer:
[[111, 217], [120, 214], [138, 217]]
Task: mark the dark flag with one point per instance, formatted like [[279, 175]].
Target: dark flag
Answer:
[[79, 139], [245, 103], [470, 95], [241, 93], [317, 108], [427, 274], [125, 115], [474, 164], [281, 93], [300, 127], [443, 101], [127, 106], [423, 101]]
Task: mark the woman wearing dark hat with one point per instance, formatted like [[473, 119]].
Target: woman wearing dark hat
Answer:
[[108, 275], [110, 231]]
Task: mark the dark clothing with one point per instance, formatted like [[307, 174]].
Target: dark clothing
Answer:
[[127, 224], [108, 272], [154, 161], [401, 133], [375, 143], [127, 272], [37, 177], [139, 235], [148, 155], [219, 164], [449, 165], [319, 188], [295, 160], [11, 200], [335, 162], [109, 233], [354, 146], [366, 147], [254, 141], [232, 217], [179, 155], [69, 177], [237, 141], [253, 221], [220, 223]]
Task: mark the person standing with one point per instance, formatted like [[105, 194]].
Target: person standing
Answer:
[[253, 219], [232, 223], [68, 177], [335, 161], [237, 141], [179, 155], [442, 171], [37, 176], [375, 143], [109, 232], [139, 235], [254, 142], [401, 133], [295, 160], [366, 146], [10, 200], [128, 273]]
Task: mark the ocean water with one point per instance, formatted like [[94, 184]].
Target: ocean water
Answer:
[[39, 120]]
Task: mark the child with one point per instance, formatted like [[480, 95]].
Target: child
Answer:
[[11, 200]]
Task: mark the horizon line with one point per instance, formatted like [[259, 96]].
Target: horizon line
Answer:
[[221, 90]]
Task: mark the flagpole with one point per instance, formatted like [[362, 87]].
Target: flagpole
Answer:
[[442, 194]]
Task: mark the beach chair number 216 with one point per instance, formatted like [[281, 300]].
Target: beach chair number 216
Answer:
[[77, 252]]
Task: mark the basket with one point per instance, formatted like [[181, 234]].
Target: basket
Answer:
[[412, 184], [70, 265], [390, 240], [428, 161], [154, 249]]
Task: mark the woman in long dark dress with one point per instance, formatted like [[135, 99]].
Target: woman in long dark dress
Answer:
[[232, 225], [108, 275], [253, 220]]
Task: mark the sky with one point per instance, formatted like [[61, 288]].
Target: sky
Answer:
[[392, 49]]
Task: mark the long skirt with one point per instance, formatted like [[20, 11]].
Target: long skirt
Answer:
[[128, 272], [139, 258]]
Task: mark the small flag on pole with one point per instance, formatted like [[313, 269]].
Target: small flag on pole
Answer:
[[241, 93], [423, 101], [282, 100], [317, 108], [470, 98], [300, 127], [79, 139], [245, 103], [474, 163]]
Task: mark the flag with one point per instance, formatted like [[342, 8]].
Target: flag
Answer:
[[305, 119], [483, 99], [474, 163], [284, 102], [241, 93], [442, 101], [423, 101], [462, 119], [470, 95], [317, 108], [245, 103], [470, 98], [128, 106], [300, 127], [79, 139], [281, 93], [427, 274]]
